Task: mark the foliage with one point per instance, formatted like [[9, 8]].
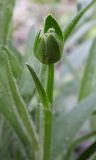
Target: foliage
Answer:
[[33, 124]]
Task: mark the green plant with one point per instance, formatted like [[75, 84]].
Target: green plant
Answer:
[[44, 136]]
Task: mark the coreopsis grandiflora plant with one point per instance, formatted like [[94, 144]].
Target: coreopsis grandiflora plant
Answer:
[[47, 136], [48, 49]]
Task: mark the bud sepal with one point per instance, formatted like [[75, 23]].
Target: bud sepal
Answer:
[[48, 45]]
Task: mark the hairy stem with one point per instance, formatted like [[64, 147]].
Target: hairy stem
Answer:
[[48, 114], [50, 82]]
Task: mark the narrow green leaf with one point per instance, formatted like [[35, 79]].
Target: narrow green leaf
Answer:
[[29, 43], [14, 50], [16, 66], [71, 25], [69, 124], [40, 89], [7, 110], [7, 106], [20, 105], [25, 84], [88, 84], [88, 152], [6, 12]]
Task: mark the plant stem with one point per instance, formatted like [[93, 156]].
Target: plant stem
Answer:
[[40, 116], [50, 82], [48, 114], [38, 109], [47, 134]]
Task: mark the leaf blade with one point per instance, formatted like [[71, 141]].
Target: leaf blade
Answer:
[[88, 83], [40, 89], [70, 123], [71, 25], [20, 105], [7, 106], [6, 12]]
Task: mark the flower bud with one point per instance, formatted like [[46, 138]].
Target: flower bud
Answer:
[[48, 46]]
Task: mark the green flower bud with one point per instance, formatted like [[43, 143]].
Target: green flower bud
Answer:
[[48, 46]]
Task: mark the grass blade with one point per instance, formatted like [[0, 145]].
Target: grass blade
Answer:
[[88, 83], [6, 12], [29, 44], [20, 105], [71, 25], [69, 125], [16, 67], [8, 107], [8, 112], [40, 89], [14, 50]]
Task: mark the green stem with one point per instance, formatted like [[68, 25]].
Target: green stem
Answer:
[[50, 82], [39, 115], [48, 114], [47, 134], [38, 109]]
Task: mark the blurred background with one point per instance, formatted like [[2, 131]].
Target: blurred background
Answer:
[[33, 12], [28, 18]]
